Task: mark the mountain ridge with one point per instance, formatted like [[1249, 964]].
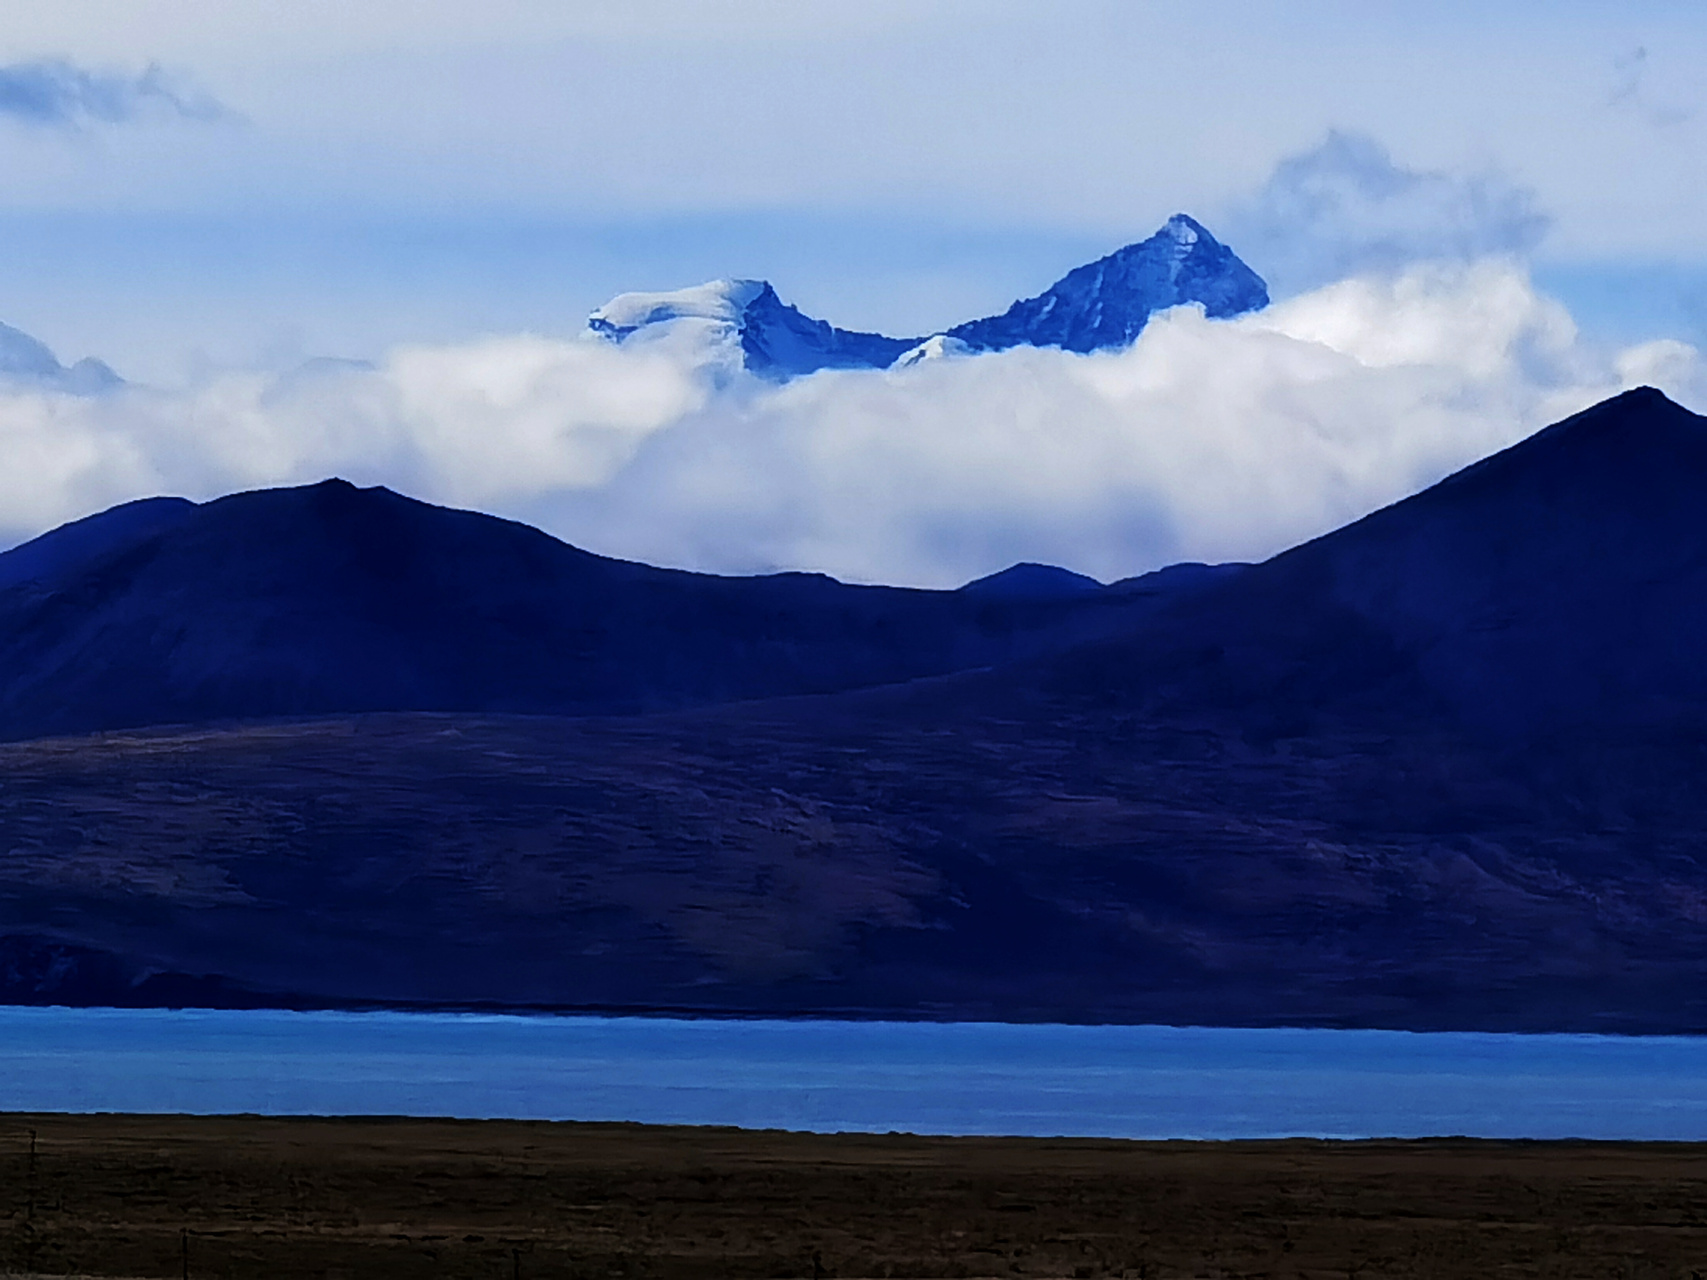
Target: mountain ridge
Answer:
[[327, 599], [1102, 305], [1438, 769], [1557, 582]]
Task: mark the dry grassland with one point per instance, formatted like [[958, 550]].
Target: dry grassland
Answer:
[[134, 1196]]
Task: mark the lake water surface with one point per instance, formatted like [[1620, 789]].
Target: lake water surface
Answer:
[[1137, 1082]]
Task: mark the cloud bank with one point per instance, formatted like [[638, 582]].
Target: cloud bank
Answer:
[[1207, 440], [1344, 207], [54, 91]]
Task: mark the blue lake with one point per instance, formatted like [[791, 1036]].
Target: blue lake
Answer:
[[1138, 1082]]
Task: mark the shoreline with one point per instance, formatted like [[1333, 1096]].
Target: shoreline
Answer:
[[851, 1017]]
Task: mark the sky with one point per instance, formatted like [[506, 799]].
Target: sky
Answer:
[[1471, 217]]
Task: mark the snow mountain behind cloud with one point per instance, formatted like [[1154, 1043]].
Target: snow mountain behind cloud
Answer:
[[29, 363], [1101, 305], [777, 340]]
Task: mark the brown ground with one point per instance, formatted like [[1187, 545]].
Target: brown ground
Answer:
[[248, 1197]]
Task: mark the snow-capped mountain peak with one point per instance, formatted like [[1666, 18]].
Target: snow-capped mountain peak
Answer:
[[1101, 305], [721, 300], [937, 347], [1108, 302], [1183, 229]]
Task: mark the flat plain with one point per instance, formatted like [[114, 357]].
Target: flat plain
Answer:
[[168, 1196]]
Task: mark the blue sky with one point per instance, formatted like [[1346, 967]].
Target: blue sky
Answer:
[[389, 171], [1475, 218]]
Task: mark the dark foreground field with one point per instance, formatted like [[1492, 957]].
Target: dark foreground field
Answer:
[[239, 1197]]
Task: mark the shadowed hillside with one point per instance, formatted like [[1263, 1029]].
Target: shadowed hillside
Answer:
[[291, 602], [1560, 583], [1440, 768]]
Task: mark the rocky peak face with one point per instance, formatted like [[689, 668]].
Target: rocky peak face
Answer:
[[1107, 303]]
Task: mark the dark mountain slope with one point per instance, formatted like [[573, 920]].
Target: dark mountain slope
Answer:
[[1441, 768], [1560, 583], [803, 858], [330, 598], [68, 548], [1029, 581], [1563, 581]]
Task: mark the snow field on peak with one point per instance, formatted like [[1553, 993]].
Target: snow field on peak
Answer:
[[722, 300], [937, 347]]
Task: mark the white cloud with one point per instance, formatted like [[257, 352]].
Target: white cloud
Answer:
[[58, 92], [1206, 440], [1345, 207]]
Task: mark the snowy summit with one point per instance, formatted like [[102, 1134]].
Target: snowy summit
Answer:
[[1102, 305]]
